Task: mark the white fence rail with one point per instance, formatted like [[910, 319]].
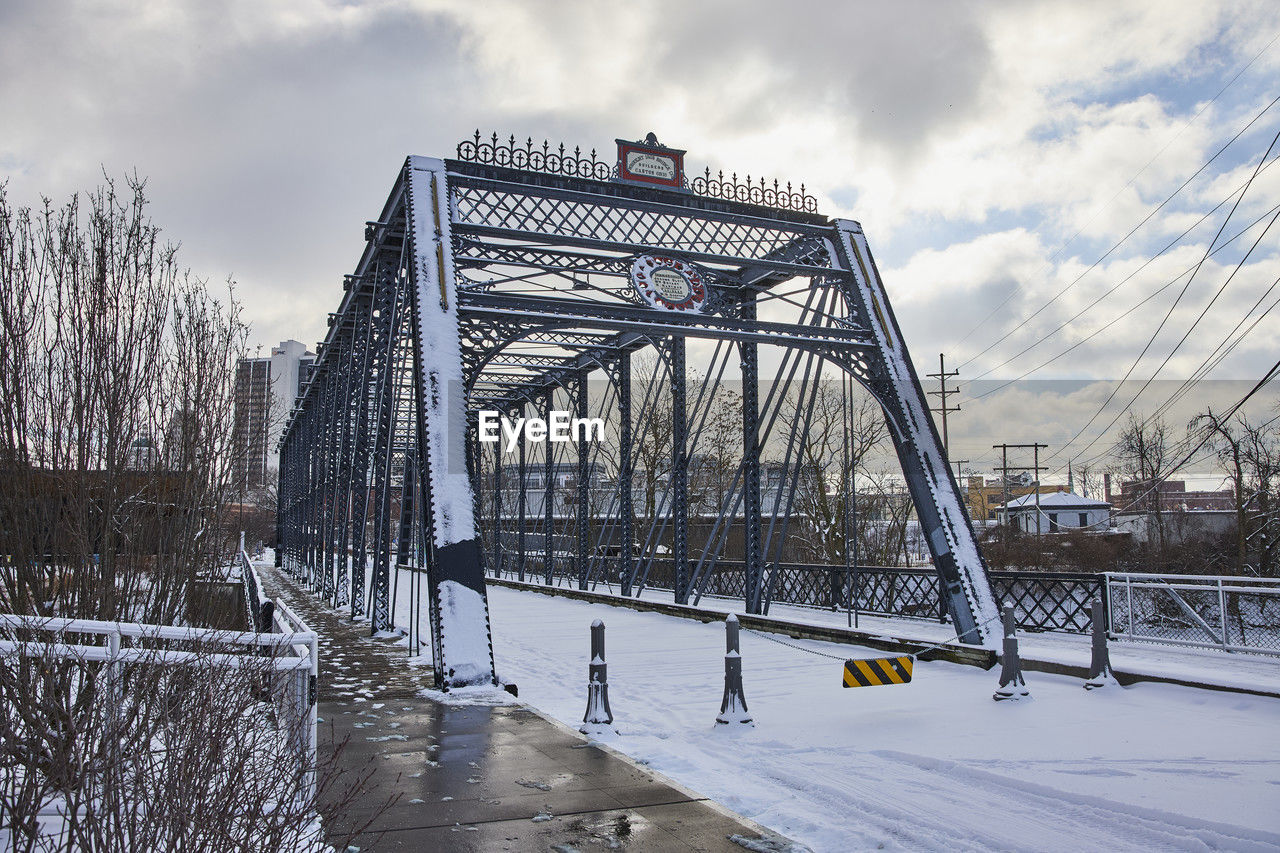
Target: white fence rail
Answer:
[[1236, 614], [288, 648]]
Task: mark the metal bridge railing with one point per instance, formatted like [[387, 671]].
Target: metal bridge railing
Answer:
[[278, 621], [1237, 614], [110, 648], [1042, 601]]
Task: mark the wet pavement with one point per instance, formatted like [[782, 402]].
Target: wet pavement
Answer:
[[481, 777]]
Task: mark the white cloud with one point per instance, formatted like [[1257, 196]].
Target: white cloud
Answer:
[[973, 139]]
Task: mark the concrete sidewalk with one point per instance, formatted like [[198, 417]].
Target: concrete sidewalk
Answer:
[[482, 777]]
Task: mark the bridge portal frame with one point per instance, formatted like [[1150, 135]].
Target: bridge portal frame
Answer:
[[482, 286]]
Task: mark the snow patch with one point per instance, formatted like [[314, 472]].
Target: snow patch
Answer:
[[464, 635]]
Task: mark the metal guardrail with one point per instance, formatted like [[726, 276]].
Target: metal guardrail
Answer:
[[277, 619], [1042, 601], [292, 658], [1236, 614]]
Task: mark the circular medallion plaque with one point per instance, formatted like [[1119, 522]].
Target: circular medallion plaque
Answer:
[[669, 283]]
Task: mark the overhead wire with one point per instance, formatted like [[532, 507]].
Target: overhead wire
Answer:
[[1169, 313], [1129, 183], [1063, 291]]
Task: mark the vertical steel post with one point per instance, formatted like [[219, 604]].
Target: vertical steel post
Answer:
[[383, 455], [582, 520], [626, 521], [548, 504], [679, 471], [1222, 613], [497, 508], [522, 498], [375, 343], [753, 557]]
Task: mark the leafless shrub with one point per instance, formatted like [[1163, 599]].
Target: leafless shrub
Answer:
[[116, 372], [151, 755]]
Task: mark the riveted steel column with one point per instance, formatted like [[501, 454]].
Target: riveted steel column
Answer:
[[548, 504], [522, 486], [353, 385], [330, 478], [383, 454], [679, 472], [753, 561], [626, 469], [583, 521], [496, 562], [372, 332], [313, 494]]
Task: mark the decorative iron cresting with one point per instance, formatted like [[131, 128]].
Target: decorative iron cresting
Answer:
[[580, 164], [750, 192], [554, 161]]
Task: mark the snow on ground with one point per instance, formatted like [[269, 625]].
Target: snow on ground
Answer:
[[1209, 666], [931, 765]]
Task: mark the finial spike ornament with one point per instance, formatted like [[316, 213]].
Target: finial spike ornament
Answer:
[[509, 154]]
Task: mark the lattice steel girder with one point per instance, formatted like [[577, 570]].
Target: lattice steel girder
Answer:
[[459, 606], [939, 505], [646, 320], [623, 222]]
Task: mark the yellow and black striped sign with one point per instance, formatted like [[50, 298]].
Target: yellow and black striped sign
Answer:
[[874, 672]]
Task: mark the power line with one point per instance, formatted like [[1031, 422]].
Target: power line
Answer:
[[942, 376], [1062, 292], [1172, 307], [1136, 175], [1040, 339]]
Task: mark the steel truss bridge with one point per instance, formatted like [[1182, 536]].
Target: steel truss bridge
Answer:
[[505, 280]]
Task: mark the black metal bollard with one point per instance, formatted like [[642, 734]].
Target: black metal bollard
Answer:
[[1012, 684], [599, 717], [1100, 674], [733, 707]]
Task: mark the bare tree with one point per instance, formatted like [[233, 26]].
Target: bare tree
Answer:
[[1145, 453], [1250, 455], [115, 473], [843, 435]]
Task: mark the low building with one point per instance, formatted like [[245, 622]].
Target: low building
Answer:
[[984, 497], [1139, 496], [1058, 512]]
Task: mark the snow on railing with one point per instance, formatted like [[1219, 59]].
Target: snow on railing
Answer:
[[286, 623], [1236, 614], [292, 649]]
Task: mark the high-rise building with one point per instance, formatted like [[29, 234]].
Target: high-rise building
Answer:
[[266, 388]]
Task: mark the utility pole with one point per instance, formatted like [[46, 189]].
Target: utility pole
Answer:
[[1005, 468], [942, 376]]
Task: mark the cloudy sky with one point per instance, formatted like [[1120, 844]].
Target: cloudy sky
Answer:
[[998, 154]]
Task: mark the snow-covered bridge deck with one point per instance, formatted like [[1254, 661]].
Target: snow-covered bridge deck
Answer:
[[932, 765], [483, 775], [1059, 652]]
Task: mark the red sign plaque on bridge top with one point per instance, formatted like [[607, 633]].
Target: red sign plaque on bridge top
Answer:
[[650, 162]]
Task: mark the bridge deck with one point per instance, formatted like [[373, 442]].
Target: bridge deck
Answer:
[[474, 777]]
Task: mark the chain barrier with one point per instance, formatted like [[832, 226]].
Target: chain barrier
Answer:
[[914, 654]]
